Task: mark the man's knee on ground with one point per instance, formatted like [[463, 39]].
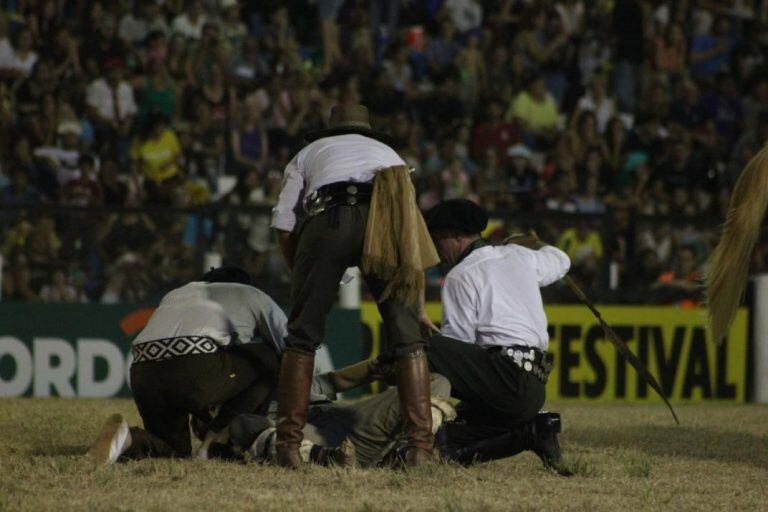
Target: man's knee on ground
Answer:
[[439, 385]]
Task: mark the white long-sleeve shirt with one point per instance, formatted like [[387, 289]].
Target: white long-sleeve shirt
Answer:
[[329, 160], [225, 312], [492, 297]]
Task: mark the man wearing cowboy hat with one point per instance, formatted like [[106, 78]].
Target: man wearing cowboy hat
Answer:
[[357, 208]]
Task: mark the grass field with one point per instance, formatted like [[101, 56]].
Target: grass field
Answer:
[[626, 457]]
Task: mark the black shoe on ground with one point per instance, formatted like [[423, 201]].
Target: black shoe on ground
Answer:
[[546, 427]]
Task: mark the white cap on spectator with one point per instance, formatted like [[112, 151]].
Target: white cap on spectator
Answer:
[[226, 4], [519, 150], [69, 128]]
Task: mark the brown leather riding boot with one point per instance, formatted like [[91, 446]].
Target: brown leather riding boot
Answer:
[[412, 377], [292, 401]]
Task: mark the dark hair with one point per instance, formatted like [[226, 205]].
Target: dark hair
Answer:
[[227, 275], [86, 159]]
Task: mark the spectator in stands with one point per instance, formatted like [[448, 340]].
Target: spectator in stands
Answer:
[[233, 30], [681, 283], [63, 159], [711, 51], [16, 279], [17, 60], [159, 93], [495, 133], [144, 19], [156, 157], [111, 104], [670, 49], [596, 100], [535, 112], [523, 181], [85, 190], [655, 145], [249, 143], [19, 192], [59, 290], [114, 187], [191, 21]]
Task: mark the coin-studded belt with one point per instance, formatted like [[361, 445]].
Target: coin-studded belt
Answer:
[[335, 194], [529, 359]]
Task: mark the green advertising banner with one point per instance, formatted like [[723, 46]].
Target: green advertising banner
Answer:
[[83, 350]]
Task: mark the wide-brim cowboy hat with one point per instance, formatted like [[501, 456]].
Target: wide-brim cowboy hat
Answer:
[[351, 119]]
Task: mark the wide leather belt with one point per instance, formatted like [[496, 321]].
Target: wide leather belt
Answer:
[[529, 359], [348, 193], [158, 350]]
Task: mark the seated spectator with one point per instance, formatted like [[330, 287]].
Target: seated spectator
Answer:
[[441, 52], [111, 104], [490, 182], [17, 60], [232, 29], [670, 49], [156, 156], [560, 197], [145, 18], [191, 20], [85, 190], [723, 107], [711, 51], [127, 281], [250, 146], [41, 83], [456, 182], [113, 186], [59, 290], [581, 244], [19, 192], [126, 233], [17, 279], [535, 112], [588, 200], [466, 15], [596, 100], [495, 133], [159, 93], [681, 283], [43, 244], [63, 160], [523, 180]]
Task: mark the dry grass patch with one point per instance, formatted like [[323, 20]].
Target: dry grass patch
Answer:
[[624, 457]]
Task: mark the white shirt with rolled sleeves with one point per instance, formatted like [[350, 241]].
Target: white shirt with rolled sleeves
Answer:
[[329, 160], [492, 297]]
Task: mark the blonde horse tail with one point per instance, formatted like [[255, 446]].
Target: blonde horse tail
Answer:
[[728, 266]]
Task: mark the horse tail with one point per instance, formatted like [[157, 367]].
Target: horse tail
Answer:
[[728, 266]]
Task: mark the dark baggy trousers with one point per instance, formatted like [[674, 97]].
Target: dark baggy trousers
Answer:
[[237, 378], [497, 395], [328, 244]]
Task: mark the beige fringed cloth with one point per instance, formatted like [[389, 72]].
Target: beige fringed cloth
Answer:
[[397, 247]]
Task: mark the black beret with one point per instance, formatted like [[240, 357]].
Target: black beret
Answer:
[[226, 275], [460, 215]]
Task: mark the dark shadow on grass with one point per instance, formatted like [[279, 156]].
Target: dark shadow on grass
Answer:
[[699, 443], [57, 451]]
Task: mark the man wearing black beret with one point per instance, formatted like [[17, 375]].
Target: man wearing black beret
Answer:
[[493, 341]]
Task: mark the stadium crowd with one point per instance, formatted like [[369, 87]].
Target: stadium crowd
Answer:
[[615, 128]]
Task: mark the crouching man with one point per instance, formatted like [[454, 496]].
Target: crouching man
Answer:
[[493, 341], [195, 353]]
